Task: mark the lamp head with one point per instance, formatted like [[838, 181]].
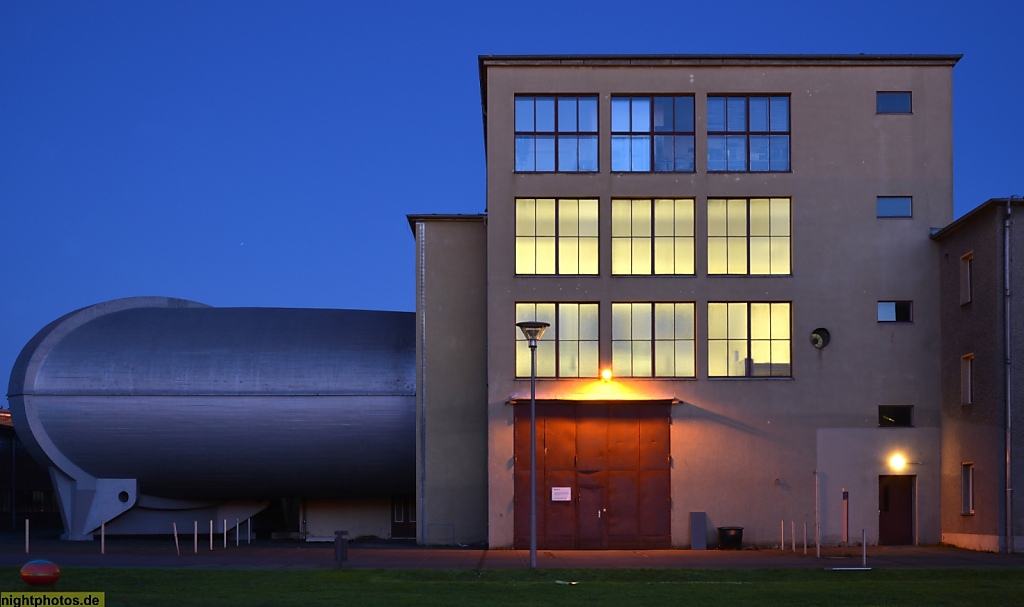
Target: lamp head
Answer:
[[532, 329]]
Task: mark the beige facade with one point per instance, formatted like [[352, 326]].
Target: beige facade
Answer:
[[765, 444]]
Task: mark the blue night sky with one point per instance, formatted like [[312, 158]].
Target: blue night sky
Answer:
[[253, 153]]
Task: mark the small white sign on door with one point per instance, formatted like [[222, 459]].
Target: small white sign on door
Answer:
[[561, 494]]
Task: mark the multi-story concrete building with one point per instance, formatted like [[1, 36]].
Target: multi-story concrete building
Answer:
[[982, 379], [733, 256]]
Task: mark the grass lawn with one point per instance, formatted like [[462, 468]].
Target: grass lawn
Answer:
[[592, 587]]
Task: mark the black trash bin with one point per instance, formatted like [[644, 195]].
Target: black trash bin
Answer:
[[730, 538]]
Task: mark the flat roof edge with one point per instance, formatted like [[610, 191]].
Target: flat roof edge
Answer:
[[728, 59]]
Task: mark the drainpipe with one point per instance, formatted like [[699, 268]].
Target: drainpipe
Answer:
[[421, 387], [1006, 338]]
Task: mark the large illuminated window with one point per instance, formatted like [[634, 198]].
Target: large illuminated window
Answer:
[[652, 236], [652, 134], [556, 236], [748, 133], [569, 347], [749, 339], [556, 133], [749, 236], [653, 340]]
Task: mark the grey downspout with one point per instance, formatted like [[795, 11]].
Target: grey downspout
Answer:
[[1006, 337]]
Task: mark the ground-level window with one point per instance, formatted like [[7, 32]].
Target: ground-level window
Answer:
[[569, 347], [966, 488], [749, 339], [653, 340]]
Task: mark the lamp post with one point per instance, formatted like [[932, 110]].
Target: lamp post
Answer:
[[532, 330]]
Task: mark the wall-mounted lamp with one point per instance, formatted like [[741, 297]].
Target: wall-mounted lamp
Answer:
[[897, 462], [606, 374]]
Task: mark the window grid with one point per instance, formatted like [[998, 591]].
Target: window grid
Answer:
[[569, 347], [653, 339], [652, 236], [749, 236], [653, 127], [556, 133], [556, 236], [748, 133], [749, 339]]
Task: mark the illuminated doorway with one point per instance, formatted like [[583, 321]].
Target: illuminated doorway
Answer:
[[896, 510], [603, 476]]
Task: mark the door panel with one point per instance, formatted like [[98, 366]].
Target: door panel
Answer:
[[593, 531], [896, 510]]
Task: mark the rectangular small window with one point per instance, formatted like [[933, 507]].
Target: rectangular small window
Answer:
[[653, 134], [652, 236], [568, 348], [749, 236], [967, 379], [890, 416], [892, 102], [557, 236], [748, 133], [967, 488], [556, 133], [749, 339], [653, 340], [894, 206], [895, 311], [965, 278]]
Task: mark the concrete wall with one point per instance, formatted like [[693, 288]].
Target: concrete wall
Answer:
[[738, 442], [451, 363], [361, 518]]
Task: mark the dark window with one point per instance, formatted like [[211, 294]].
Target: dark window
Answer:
[[556, 133], [895, 415], [653, 134], [748, 133], [892, 102], [895, 311], [894, 206]]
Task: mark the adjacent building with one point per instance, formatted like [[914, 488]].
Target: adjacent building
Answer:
[[981, 377]]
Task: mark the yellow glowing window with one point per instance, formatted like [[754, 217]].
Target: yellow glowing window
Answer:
[[569, 347], [749, 339], [749, 236], [653, 340], [652, 236], [556, 236]]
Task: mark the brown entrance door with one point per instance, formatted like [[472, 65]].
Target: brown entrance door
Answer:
[[603, 477], [895, 510]]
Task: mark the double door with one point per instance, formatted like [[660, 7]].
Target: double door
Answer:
[[603, 479]]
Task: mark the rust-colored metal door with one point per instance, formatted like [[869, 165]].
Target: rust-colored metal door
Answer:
[[896, 510], [603, 476]]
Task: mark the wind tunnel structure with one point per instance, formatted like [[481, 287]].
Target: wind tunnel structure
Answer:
[[150, 410]]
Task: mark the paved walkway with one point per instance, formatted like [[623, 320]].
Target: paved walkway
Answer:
[[161, 552]]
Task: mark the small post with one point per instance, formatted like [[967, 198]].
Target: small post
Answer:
[[103, 537], [211, 535], [340, 547], [782, 534], [805, 538], [195, 537], [817, 536], [177, 546], [236, 533], [846, 517], [248, 531], [792, 534], [864, 548], [26, 536]]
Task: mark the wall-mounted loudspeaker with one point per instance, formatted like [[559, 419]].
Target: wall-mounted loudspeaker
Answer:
[[819, 338]]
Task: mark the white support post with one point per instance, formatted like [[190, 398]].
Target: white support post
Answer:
[[26, 536], [236, 533], [782, 535], [805, 538], [225, 533], [177, 546], [195, 537], [103, 537], [792, 534], [211, 535]]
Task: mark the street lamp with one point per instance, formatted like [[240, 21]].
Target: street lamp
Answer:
[[532, 330]]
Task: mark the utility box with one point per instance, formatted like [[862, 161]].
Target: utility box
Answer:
[[698, 531]]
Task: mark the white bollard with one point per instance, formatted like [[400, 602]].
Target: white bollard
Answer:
[[236, 533], [211, 535], [225, 533], [195, 537], [177, 546]]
